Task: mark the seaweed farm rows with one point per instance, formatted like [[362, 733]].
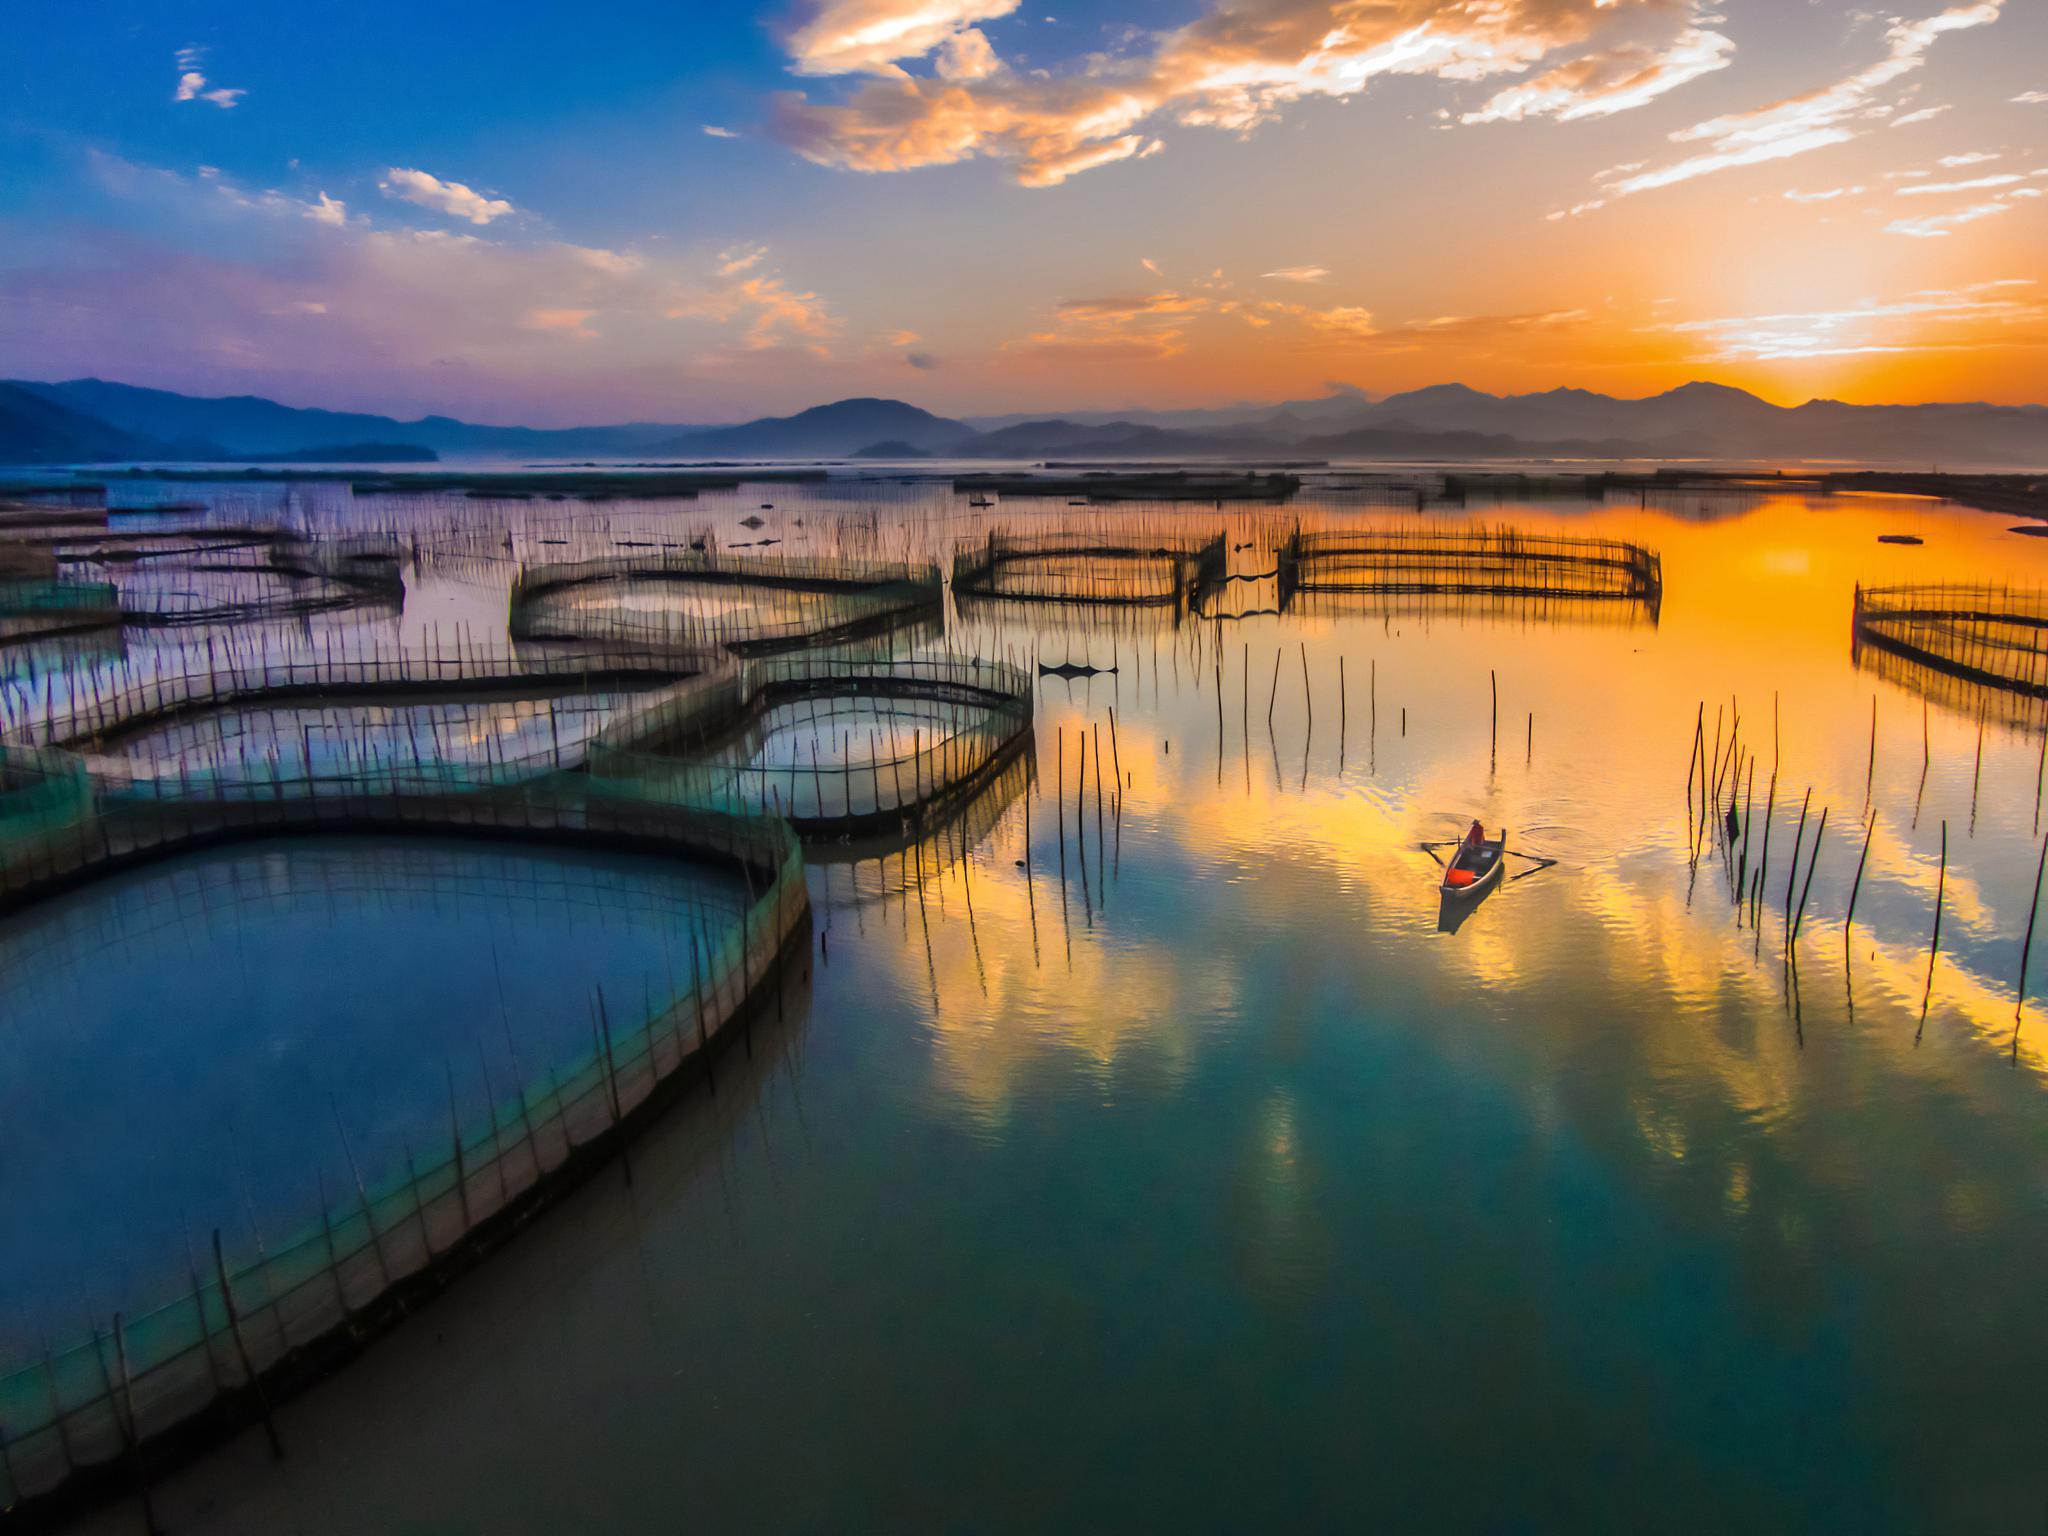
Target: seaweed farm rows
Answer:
[[827, 909]]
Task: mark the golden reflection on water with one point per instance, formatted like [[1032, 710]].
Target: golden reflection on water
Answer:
[[1316, 817]]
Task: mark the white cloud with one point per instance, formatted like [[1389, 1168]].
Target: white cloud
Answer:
[[328, 210], [1827, 196], [2031, 97], [1938, 225], [449, 197], [1935, 319], [844, 37], [1298, 274], [193, 86], [1924, 115], [1976, 184], [1974, 157], [1599, 84], [966, 55], [714, 131], [1815, 120]]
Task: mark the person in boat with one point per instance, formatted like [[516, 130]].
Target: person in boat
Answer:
[[1464, 870]]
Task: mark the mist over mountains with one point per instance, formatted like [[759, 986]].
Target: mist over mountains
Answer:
[[94, 420]]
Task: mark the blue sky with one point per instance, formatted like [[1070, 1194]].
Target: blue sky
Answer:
[[518, 213]]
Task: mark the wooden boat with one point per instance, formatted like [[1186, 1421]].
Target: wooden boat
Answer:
[[1475, 868]]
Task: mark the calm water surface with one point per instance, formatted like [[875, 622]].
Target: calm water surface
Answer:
[[1211, 1186]]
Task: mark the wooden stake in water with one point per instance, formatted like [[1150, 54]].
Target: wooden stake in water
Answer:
[[1870, 773], [1934, 948], [1977, 773], [1792, 879], [2027, 948], [227, 1299], [1812, 863], [2040, 767], [1850, 921], [1692, 752]]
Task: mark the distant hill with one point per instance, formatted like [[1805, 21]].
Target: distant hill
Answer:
[[248, 426], [87, 419], [34, 430], [825, 432]]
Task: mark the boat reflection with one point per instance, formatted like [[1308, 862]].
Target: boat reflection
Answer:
[[1452, 908]]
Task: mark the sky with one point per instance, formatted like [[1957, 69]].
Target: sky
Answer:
[[710, 211]]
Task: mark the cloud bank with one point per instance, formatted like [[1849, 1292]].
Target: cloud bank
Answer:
[[1233, 68]]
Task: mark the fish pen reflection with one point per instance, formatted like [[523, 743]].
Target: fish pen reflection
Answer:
[[1992, 636], [1939, 685]]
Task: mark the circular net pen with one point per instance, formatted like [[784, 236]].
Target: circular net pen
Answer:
[[1963, 645], [236, 576], [249, 720], [700, 599], [237, 1323], [1135, 563], [1497, 571], [842, 748]]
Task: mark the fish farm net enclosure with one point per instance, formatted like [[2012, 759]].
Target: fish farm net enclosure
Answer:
[[1995, 637], [1137, 563], [266, 718], [702, 598], [1505, 563], [839, 746], [250, 1325]]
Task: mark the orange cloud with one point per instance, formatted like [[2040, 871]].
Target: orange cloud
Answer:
[[1232, 68]]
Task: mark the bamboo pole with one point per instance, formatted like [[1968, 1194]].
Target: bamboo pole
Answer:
[[1934, 948], [1812, 863], [1855, 888], [1792, 879], [2027, 948], [227, 1297]]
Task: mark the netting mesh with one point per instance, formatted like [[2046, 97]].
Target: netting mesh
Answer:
[[1482, 563], [1134, 563], [698, 599], [247, 1317], [860, 768], [1991, 636]]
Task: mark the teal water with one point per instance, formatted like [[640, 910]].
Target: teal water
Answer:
[[215, 1041], [1171, 1169]]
